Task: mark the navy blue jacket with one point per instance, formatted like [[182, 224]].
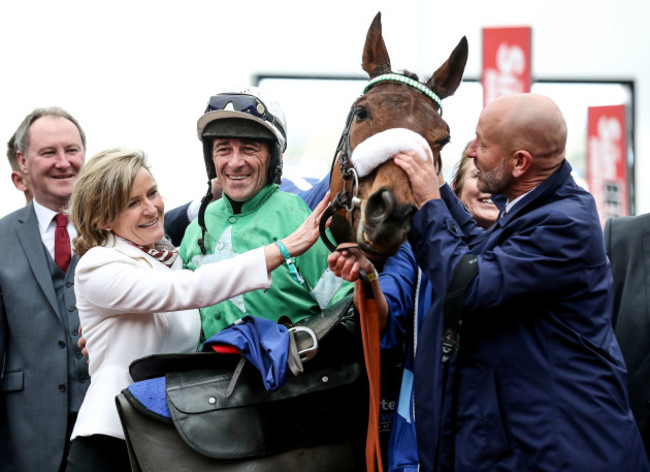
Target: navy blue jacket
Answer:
[[540, 377]]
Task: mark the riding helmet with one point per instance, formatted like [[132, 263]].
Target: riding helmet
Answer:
[[248, 113]]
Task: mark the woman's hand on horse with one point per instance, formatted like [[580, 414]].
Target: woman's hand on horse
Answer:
[[346, 263], [308, 232], [423, 176]]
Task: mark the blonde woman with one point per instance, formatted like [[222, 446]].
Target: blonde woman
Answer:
[[133, 297], [465, 185]]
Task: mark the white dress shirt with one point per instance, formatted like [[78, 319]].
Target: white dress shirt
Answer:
[[47, 227]]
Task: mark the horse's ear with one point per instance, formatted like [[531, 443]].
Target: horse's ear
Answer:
[[375, 56], [446, 79]]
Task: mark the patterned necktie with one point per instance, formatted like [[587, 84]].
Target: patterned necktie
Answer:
[[62, 252]]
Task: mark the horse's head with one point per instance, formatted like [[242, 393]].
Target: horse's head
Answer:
[[374, 208]]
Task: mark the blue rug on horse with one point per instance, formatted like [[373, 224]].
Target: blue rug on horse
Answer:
[[264, 343]]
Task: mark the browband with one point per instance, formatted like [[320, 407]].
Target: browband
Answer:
[[408, 81]]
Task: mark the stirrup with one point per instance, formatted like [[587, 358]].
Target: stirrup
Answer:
[[298, 355]]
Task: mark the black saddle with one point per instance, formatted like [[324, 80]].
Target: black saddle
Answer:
[[315, 421]]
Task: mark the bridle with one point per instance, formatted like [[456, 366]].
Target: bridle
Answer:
[[348, 198]]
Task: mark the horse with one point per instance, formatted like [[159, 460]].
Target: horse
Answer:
[[371, 202], [374, 211]]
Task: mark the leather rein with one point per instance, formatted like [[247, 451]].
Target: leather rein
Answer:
[[348, 198]]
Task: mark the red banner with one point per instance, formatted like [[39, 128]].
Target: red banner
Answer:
[[506, 62], [607, 160]]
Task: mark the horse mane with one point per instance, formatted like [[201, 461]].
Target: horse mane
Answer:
[[410, 75], [414, 76]]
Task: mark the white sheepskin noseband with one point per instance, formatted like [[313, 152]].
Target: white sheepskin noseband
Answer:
[[382, 146]]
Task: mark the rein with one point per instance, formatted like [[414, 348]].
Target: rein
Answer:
[[348, 198]]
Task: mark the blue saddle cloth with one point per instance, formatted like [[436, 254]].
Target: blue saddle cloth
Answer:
[[152, 395], [264, 343]]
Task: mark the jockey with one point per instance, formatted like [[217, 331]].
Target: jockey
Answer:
[[244, 135]]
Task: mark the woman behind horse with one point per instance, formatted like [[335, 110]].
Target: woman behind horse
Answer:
[[398, 290], [133, 297], [478, 203]]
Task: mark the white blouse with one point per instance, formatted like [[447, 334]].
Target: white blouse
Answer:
[[131, 305]]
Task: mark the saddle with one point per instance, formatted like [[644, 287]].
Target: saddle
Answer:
[[216, 413]]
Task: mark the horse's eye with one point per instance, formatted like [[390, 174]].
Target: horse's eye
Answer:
[[360, 114]]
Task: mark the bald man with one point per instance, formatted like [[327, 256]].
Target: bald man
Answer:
[[538, 381]]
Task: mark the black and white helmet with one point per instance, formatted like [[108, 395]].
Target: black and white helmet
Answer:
[[248, 113]]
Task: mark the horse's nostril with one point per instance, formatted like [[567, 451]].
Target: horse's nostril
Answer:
[[380, 206]]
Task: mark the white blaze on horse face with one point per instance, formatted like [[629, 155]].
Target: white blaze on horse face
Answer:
[[382, 146]]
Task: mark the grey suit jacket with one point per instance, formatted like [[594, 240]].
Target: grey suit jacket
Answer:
[[38, 351], [628, 246]]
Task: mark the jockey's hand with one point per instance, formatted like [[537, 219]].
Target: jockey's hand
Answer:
[[425, 182], [346, 263]]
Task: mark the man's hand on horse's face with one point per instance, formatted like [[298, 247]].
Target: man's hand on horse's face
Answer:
[[346, 262], [425, 182]]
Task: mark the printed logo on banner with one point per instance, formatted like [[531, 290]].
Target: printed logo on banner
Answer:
[[606, 160], [506, 62]]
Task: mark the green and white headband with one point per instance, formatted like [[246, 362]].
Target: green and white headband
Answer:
[[408, 81]]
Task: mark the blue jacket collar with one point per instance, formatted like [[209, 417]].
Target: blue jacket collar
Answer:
[[555, 180]]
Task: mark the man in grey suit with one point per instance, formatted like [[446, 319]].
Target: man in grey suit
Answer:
[[43, 376], [627, 240]]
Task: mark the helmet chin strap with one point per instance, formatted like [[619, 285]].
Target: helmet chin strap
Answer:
[[205, 201], [274, 172]]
